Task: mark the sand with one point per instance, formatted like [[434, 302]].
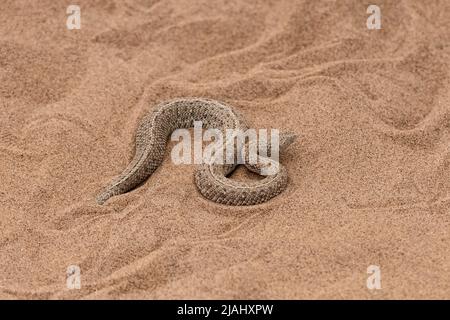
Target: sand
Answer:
[[369, 175]]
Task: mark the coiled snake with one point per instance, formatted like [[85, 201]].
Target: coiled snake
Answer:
[[211, 179]]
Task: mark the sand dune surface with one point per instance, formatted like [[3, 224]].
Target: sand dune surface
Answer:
[[369, 174]]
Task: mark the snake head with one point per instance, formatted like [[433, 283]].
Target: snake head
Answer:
[[287, 138]]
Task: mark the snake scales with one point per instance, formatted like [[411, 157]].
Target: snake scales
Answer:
[[211, 179]]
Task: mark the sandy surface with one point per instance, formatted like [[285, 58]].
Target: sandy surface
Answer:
[[369, 176]]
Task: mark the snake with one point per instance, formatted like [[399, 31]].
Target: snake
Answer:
[[212, 178]]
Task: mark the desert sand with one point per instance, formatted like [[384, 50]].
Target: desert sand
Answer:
[[369, 175]]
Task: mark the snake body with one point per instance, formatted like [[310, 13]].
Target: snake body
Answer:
[[211, 179]]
